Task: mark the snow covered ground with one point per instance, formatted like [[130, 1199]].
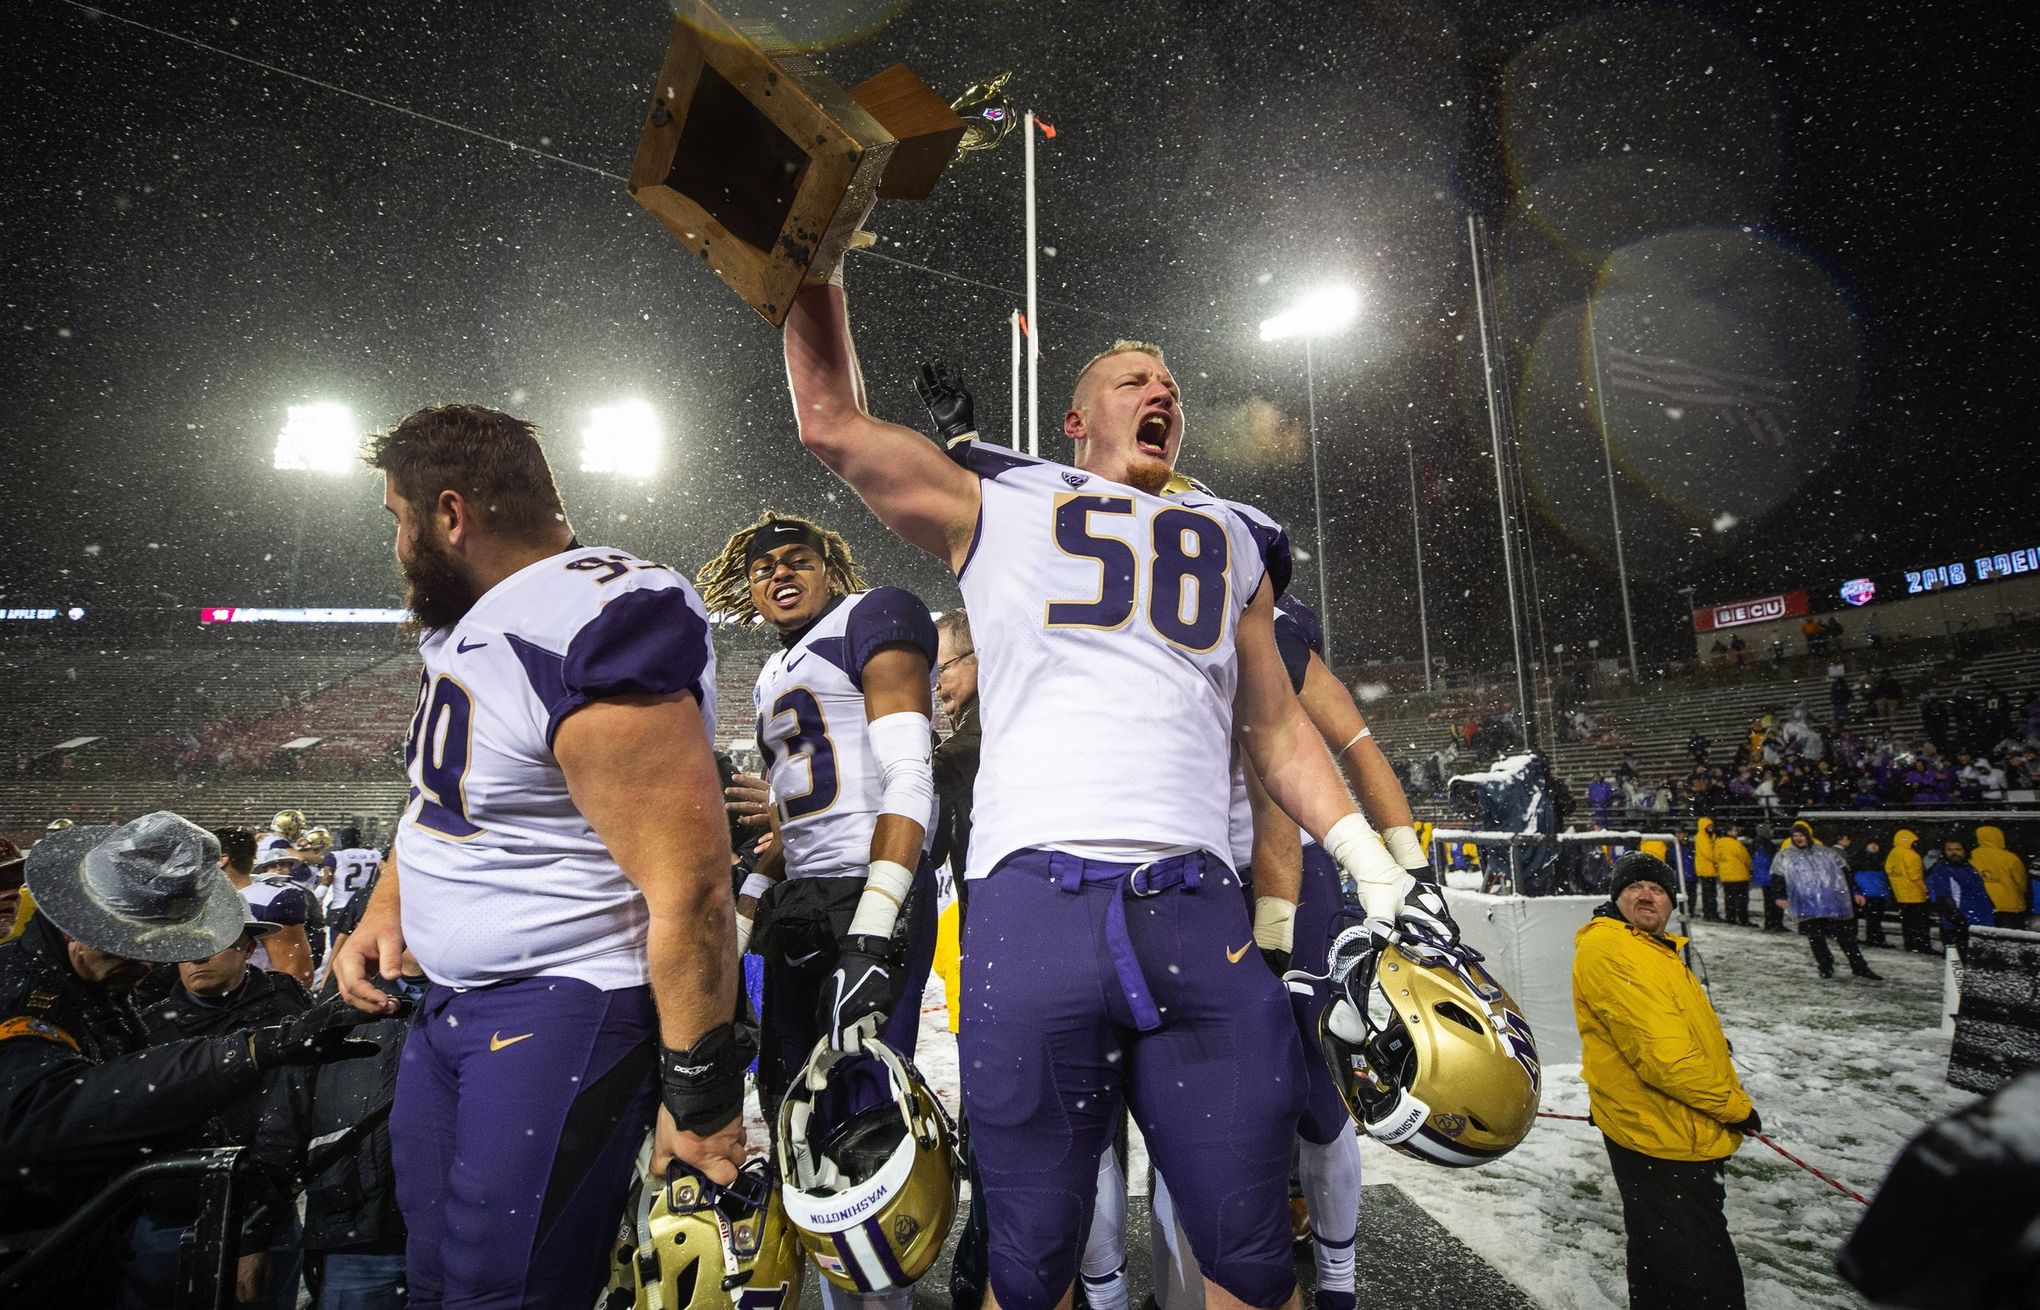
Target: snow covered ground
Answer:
[[1843, 1071]]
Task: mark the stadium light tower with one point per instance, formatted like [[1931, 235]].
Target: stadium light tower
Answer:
[[622, 438], [1319, 313], [318, 438]]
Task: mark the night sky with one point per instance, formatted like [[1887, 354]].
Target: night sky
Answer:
[[1794, 225]]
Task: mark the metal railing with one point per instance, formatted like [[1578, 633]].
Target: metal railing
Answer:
[[206, 1279]]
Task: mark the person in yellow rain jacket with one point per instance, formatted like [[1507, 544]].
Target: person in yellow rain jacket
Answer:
[[1909, 889], [2004, 877], [1663, 1092], [1732, 870], [1703, 869]]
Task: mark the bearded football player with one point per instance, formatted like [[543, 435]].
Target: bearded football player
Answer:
[[561, 875]]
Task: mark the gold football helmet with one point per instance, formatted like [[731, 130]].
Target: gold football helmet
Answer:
[[872, 1167], [58, 825], [288, 823], [1431, 1055], [694, 1245], [314, 844]]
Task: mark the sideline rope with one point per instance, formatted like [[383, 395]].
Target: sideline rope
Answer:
[[1843, 1188]]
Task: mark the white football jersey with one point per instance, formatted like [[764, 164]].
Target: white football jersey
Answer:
[[353, 867], [502, 877], [1104, 620], [810, 705]]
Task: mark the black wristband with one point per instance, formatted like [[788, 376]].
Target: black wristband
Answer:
[[878, 948], [703, 1086]]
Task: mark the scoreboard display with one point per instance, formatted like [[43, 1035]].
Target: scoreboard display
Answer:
[[1943, 575]]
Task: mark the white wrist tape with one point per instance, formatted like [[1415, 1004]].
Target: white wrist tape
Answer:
[[1377, 878], [743, 933], [885, 890], [1404, 848], [755, 886], [902, 744], [1355, 740], [1274, 923]]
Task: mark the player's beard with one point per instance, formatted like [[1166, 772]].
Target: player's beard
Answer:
[[1149, 475], [435, 591]]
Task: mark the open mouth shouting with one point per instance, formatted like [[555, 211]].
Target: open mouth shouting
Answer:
[[1152, 436]]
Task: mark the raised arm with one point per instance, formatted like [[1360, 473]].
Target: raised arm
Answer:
[[1346, 734], [908, 481]]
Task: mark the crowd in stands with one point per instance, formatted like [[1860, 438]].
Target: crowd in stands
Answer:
[[1977, 749]]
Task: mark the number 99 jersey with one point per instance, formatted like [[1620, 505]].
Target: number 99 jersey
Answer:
[[811, 717], [1104, 620], [502, 877]]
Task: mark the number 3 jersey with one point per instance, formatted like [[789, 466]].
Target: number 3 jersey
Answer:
[[502, 877], [1104, 620], [811, 718]]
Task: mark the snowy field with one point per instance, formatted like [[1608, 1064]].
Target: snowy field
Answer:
[[1843, 1071]]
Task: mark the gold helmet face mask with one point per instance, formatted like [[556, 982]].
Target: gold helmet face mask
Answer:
[[288, 823], [693, 1245], [1451, 1075], [871, 1197]]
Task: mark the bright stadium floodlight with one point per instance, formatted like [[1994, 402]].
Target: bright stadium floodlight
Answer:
[[1319, 313], [622, 438], [318, 438]]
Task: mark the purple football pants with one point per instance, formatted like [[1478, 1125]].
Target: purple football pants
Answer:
[[519, 1113], [1324, 1114], [1088, 985]]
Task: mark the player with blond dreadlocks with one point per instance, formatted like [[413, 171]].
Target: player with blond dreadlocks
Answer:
[[848, 936]]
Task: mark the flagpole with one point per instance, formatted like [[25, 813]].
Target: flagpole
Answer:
[[1524, 706], [1033, 312], [1614, 512], [1417, 536], [1013, 432]]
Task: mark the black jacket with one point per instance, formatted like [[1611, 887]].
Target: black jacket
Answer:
[[353, 1202], [263, 998], [956, 769], [81, 1095]]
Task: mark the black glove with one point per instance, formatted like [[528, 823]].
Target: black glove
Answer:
[[318, 1036], [1278, 961], [950, 407], [1749, 1127], [1424, 908], [703, 1086], [858, 994]]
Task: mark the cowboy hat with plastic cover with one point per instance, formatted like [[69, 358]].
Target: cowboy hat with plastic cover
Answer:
[[872, 1170], [693, 1244], [150, 889], [1429, 1053]]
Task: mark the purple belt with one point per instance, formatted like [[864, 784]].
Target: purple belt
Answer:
[[1072, 873]]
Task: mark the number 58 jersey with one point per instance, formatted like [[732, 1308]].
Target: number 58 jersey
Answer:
[[1104, 620], [502, 878]]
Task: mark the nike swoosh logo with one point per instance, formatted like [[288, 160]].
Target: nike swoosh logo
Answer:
[[1234, 957], [463, 646], [795, 660], [811, 955], [497, 1041]]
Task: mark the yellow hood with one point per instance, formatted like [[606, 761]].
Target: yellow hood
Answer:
[[1990, 838]]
